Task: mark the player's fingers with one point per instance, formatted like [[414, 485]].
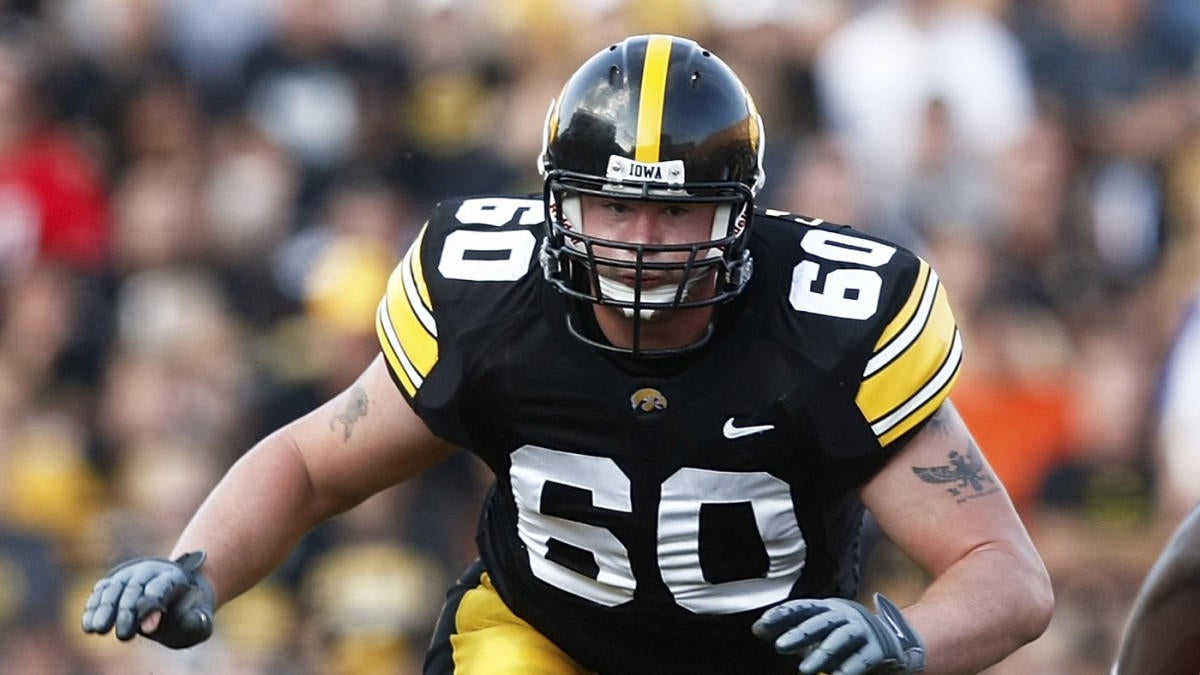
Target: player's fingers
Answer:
[[780, 618], [856, 664], [809, 632], [108, 614], [147, 591], [150, 623], [125, 624], [838, 646], [99, 611], [158, 592]]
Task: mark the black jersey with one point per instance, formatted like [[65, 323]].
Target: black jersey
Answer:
[[644, 513]]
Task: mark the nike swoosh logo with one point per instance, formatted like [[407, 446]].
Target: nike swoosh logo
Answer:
[[731, 431]]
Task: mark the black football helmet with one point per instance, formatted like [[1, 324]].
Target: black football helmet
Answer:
[[660, 118]]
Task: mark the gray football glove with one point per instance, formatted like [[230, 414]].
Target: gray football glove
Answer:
[[842, 637], [137, 587]]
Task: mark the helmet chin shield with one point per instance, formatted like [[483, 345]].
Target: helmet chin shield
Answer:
[[654, 118]]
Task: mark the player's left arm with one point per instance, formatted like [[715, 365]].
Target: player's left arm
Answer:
[[933, 493], [941, 504]]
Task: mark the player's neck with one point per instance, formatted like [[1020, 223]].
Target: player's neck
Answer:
[[667, 329]]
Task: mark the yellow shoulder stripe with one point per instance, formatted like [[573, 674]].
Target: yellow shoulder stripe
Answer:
[[911, 374], [384, 330], [418, 271], [405, 325], [925, 402], [909, 309]]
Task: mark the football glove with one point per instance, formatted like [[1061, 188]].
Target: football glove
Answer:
[[842, 637], [137, 587]]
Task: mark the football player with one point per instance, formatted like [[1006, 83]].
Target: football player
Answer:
[[1161, 637], [687, 403]]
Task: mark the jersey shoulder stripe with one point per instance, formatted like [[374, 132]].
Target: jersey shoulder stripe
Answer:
[[405, 322], [869, 309], [915, 361], [467, 273]]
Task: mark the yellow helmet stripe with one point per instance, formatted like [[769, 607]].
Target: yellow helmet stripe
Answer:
[[752, 120], [650, 105]]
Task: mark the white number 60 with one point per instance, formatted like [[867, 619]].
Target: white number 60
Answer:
[[491, 255], [845, 293]]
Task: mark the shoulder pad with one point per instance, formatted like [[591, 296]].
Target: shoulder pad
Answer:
[[466, 259], [868, 311]]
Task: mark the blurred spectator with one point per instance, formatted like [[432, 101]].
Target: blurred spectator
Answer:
[[159, 123], [114, 81], [371, 605], [155, 224], [1177, 22], [40, 313], [1037, 252], [211, 38], [31, 579], [178, 321], [333, 273], [49, 488], [249, 210], [307, 87], [1118, 77], [466, 100], [1125, 86], [52, 200], [1107, 475], [820, 180], [887, 111], [1179, 419]]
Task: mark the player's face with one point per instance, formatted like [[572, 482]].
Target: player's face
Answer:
[[634, 221]]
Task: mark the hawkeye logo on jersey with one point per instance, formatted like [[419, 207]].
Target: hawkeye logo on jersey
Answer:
[[622, 169], [648, 399]]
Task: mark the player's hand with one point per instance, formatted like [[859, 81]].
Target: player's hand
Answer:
[[842, 637], [137, 592]]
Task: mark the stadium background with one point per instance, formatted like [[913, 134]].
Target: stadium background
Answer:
[[200, 201]]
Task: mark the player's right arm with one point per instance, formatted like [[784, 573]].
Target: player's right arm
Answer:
[[363, 440]]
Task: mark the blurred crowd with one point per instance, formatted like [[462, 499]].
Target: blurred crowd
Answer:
[[201, 201]]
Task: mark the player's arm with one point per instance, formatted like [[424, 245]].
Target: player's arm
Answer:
[[1162, 636], [941, 504], [363, 440]]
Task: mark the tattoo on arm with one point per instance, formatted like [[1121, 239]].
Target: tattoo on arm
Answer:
[[966, 476], [355, 409], [939, 420]]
